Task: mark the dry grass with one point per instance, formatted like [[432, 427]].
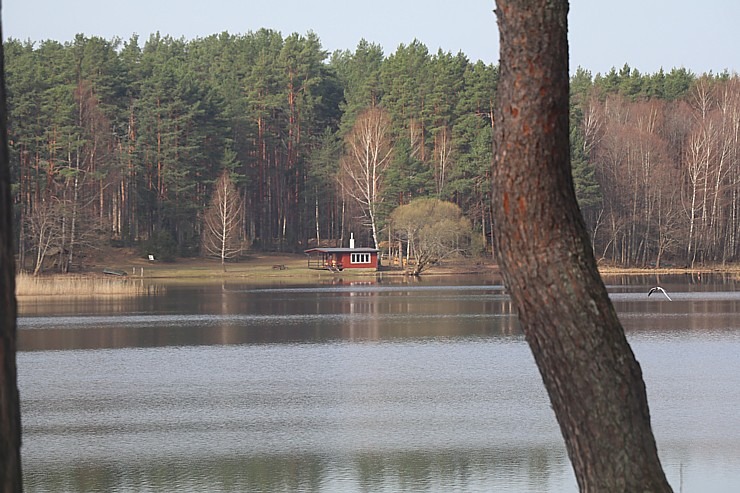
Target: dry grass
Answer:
[[77, 286], [719, 269]]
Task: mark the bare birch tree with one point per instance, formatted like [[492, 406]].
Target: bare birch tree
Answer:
[[44, 226], [725, 183], [442, 158], [366, 158], [221, 233], [696, 170], [730, 107]]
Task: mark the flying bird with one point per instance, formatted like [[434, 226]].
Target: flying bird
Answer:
[[658, 288]]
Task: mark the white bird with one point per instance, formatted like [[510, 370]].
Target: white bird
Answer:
[[658, 288]]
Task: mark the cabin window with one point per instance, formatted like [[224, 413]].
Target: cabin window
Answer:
[[360, 258]]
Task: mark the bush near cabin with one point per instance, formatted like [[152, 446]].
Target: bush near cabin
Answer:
[[432, 229]]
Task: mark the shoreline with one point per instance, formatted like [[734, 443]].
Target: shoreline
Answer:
[[293, 268]]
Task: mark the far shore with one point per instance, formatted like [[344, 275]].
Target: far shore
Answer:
[[261, 268], [256, 266]]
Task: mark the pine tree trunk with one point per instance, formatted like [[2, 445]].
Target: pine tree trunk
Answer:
[[591, 375], [10, 414]]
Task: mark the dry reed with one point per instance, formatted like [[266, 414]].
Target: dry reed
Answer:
[[70, 285]]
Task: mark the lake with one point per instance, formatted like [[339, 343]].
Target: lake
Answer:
[[382, 386]]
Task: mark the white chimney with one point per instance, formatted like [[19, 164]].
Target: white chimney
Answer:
[[351, 240]]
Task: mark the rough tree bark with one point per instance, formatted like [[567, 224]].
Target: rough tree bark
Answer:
[[10, 414], [591, 375]]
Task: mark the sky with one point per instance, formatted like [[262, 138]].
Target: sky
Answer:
[[646, 34]]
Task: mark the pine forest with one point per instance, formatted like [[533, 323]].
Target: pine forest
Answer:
[[133, 143]]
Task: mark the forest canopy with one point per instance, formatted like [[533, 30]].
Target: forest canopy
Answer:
[[123, 142]]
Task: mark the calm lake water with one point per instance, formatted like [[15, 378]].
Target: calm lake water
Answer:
[[352, 387]]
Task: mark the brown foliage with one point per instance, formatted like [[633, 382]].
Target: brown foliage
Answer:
[[669, 173]]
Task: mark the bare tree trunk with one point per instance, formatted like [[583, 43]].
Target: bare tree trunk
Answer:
[[73, 219], [367, 157], [443, 158], [10, 413], [317, 216], [222, 220], [588, 368], [695, 170]]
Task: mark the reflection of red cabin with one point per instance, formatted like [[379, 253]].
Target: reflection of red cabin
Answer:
[[337, 259]]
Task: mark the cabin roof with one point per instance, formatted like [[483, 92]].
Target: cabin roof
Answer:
[[341, 250]]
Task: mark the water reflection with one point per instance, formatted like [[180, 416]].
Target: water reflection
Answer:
[[520, 470], [355, 415], [372, 387], [244, 315]]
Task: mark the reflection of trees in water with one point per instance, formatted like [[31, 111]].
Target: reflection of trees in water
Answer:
[[415, 470], [460, 471], [698, 281], [223, 314]]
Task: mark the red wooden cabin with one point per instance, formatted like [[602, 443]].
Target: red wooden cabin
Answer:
[[338, 259]]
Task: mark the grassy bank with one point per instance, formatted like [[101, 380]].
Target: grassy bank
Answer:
[[717, 269], [254, 267], [270, 268], [257, 268], [76, 286]]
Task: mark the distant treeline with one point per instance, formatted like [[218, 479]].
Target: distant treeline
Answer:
[[112, 141]]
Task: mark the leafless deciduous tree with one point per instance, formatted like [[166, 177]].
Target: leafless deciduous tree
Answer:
[[591, 375], [221, 231], [669, 172], [443, 149], [44, 228], [367, 156], [10, 414]]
